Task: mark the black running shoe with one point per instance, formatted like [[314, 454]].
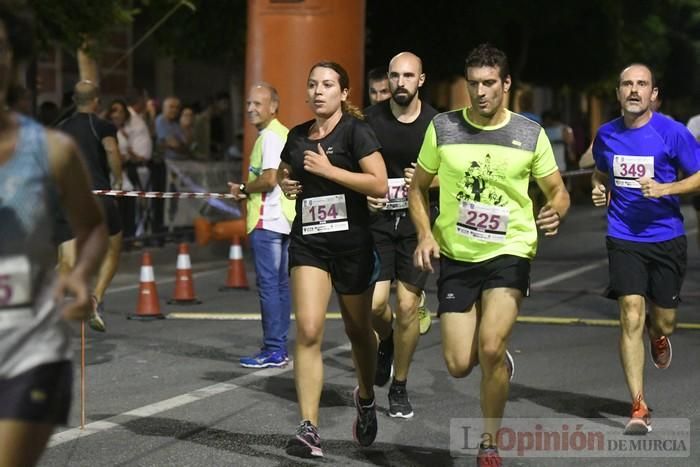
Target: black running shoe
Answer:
[[306, 442], [364, 430], [385, 360], [399, 405]]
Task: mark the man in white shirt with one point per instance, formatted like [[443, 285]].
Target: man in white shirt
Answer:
[[268, 223]]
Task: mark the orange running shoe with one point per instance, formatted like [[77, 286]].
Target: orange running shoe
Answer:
[[488, 457], [640, 420], [661, 350]]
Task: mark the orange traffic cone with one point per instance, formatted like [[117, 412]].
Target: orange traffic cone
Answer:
[[184, 287], [236, 267], [148, 307]]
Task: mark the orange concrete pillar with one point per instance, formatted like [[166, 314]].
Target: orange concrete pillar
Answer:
[[286, 38], [596, 118]]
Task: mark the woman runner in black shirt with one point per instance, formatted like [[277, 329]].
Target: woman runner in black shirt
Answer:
[[329, 165]]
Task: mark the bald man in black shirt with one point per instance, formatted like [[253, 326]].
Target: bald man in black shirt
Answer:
[[400, 124], [97, 140]]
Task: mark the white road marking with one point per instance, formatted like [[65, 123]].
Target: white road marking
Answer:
[[177, 401], [568, 274], [235, 383]]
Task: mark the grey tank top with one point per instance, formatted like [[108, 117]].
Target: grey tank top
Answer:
[[31, 329]]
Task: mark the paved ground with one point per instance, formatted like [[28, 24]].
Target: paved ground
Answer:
[[171, 393]]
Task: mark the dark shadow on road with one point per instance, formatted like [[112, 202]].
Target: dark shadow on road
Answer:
[[271, 447], [333, 395], [573, 403], [99, 352], [224, 376], [335, 362], [102, 345]]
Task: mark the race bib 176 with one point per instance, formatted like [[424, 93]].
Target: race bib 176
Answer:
[[398, 195]]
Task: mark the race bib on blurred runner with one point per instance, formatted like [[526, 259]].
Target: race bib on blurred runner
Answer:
[[15, 281], [324, 214], [627, 169], [483, 222], [398, 195]]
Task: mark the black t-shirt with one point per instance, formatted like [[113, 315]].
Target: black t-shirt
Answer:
[[350, 140], [89, 130], [401, 142]]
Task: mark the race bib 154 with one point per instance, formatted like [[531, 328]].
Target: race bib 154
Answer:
[[323, 214]]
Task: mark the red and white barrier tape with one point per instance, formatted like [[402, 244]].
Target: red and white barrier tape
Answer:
[[171, 194], [160, 194]]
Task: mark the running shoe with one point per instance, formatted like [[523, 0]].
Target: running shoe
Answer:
[[95, 320], [306, 442], [640, 420], [385, 360], [661, 350], [425, 320], [266, 359], [510, 366], [399, 405], [364, 429], [488, 457]]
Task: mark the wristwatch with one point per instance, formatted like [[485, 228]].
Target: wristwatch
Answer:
[[241, 188]]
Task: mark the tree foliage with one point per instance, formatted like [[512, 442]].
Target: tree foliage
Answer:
[[580, 45], [215, 32], [69, 22], [212, 30]]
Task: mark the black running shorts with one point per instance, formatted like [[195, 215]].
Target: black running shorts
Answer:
[[63, 232], [395, 240], [39, 395], [653, 270], [351, 274], [461, 284]]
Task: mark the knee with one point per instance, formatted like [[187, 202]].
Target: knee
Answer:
[[266, 289], [379, 307], [309, 335], [407, 311], [492, 352], [666, 327], [458, 367], [632, 320]]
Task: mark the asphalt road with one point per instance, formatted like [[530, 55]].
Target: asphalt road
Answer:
[[171, 392]]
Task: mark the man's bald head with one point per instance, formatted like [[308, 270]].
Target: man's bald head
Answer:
[[85, 93], [405, 78], [262, 104], [408, 58]]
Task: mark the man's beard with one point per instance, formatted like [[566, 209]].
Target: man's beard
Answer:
[[404, 98]]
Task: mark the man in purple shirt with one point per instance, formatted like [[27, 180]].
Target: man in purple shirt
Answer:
[[638, 157]]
